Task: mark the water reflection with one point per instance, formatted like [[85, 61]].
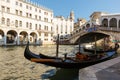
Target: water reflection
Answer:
[[65, 74], [14, 66]]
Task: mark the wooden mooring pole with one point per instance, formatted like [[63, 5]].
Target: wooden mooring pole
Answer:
[[57, 47]]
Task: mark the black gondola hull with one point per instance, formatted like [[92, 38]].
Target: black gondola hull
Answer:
[[66, 63]]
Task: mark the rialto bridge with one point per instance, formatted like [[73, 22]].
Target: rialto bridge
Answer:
[[108, 23], [18, 36], [100, 31]]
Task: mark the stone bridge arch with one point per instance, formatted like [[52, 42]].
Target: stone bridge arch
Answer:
[[88, 37]]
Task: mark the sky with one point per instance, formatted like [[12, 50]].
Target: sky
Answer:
[[81, 8]]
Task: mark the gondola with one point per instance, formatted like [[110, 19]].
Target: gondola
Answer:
[[68, 62]]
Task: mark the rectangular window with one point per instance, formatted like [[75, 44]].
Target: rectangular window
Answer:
[[16, 12], [39, 17], [39, 34], [16, 23], [51, 28], [39, 27], [39, 11], [35, 16], [46, 34], [8, 10], [51, 35], [16, 3], [45, 13], [66, 29], [30, 25], [3, 20], [46, 27], [46, 19], [8, 22], [8, 1], [46, 39], [35, 26], [35, 9], [20, 4], [20, 13], [20, 24], [26, 6], [3, 8], [30, 15], [30, 8], [26, 24], [26, 14]]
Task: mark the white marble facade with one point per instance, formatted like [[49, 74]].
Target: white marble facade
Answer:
[[21, 21]]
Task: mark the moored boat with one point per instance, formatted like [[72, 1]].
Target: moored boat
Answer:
[[66, 62], [98, 50]]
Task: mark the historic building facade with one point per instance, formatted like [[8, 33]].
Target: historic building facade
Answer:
[[111, 22], [21, 21], [63, 26], [79, 23]]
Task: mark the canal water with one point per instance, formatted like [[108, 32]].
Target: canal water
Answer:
[[13, 65]]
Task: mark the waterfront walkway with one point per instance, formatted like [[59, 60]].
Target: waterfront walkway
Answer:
[[108, 70]]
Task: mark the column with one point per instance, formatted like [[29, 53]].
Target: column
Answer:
[[18, 39], [117, 23], [28, 37], [5, 39], [108, 23]]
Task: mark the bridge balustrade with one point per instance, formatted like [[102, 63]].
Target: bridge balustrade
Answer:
[[109, 28]]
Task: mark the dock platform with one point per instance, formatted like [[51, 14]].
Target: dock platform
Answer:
[[108, 70]]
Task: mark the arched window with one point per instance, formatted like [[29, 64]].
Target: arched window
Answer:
[[113, 22], [105, 22]]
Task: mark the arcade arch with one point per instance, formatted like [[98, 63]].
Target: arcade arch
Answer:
[[33, 37], [1, 36], [11, 36], [23, 37], [113, 22], [105, 22], [1, 33]]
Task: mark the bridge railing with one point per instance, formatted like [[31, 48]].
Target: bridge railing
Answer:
[[109, 28]]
